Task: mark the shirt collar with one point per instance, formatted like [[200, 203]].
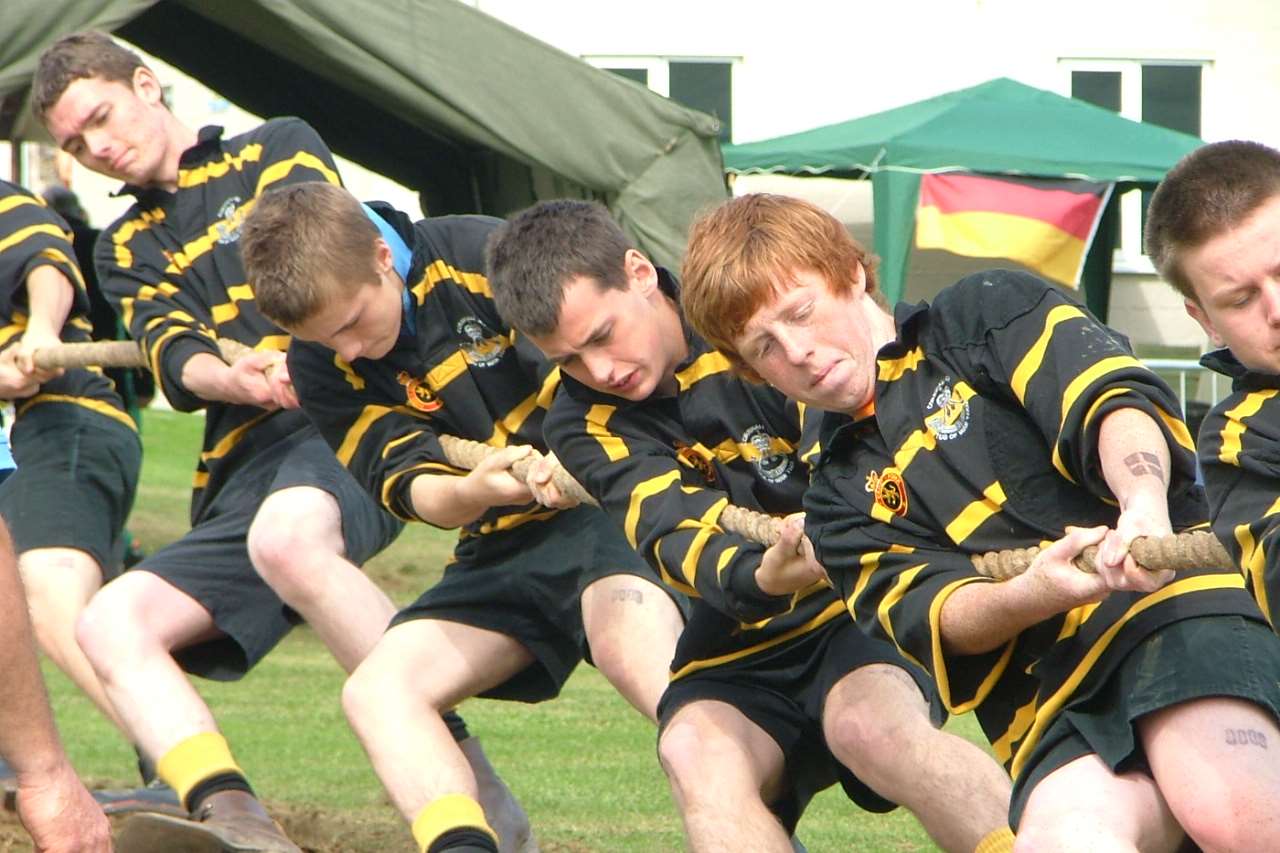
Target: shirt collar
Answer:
[[209, 138], [1224, 361], [401, 259]]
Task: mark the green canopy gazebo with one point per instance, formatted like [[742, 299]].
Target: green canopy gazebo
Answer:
[[997, 127], [475, 115]]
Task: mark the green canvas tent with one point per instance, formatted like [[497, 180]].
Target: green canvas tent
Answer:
[[475, 115], [997, 127]]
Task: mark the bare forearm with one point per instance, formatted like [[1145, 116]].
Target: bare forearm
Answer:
[[205, 375], [1134, 457], [49, 300], [445, 500], [28, 739], [980, 617]]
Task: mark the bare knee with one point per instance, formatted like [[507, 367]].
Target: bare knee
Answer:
[[108, 634], [875, 732], [57, 589], [1220, 825], [701, 760], [360, 692], [384, 678], [1051, 833], [690, 757], [292, 530]]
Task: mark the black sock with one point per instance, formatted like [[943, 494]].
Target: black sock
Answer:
[[464, 839], [146, 768], [457, 725], [214, 784]]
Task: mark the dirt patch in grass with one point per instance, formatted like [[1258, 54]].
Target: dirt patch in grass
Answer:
[[342, 832], [311, 829]]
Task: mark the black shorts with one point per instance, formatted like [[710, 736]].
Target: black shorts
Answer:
[[75, 482], [211, 563], [527, 583], [783, 691], [1196, 658]]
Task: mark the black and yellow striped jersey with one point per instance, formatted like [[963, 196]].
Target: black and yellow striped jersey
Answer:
[[171, 266], [1239, 449], [32, 235], [457, 369], [664, 468], [983, 436]]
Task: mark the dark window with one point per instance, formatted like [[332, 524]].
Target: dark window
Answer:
[[1100, 88], [640, 75], [705, 86], [1171, 97]]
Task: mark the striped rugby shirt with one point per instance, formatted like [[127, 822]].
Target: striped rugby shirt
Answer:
[[983, 435], [171, 266], [457, 369], [1240, 456], [32, 235], [665, 468]]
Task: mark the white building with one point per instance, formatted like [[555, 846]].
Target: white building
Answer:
[[1204, 66], [1208, 67]]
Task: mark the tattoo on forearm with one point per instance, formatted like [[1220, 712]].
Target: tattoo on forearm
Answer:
[[628, 595], [1144, 463], [1246, 737]]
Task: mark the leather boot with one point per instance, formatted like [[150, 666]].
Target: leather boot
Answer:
[[241, 822], [226, 822]]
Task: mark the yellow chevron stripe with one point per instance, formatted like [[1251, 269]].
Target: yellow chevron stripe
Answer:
[[251, 153], [1031, 362], [100, 406], [639, 495], [598, 428], [939, 656], [707, 364], [1053, 704], [281, 169], [972, 516], [368, 416], [890, 369], [835, 610], [441, 271], [31, 231], [1233, 432]]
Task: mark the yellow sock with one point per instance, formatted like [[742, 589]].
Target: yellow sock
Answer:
[[195, 759], [452, 811], [997, 841]]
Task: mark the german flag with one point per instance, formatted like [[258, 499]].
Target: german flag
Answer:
[[1042, 223]]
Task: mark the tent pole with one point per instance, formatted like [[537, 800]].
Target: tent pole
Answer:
[[1095, 279], [894, 197]]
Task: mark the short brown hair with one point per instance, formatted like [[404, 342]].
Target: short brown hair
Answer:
[[79, 55], [739, 251], [300, 243], [1211, 190], [530, 258]]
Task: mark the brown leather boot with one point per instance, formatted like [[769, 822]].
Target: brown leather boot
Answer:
[[226, 822]]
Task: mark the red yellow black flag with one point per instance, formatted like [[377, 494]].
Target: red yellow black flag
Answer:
[[1046, 224]]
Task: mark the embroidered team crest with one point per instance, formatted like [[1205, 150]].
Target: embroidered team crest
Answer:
[[950, 412], [889, 490], [418, 394], [697, 461], [483, 347], [230, 218], [773, 461]]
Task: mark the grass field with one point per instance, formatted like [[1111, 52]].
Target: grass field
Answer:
[[582, 765]]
